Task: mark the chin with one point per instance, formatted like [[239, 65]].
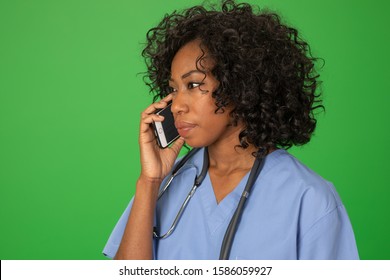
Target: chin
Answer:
[[195, 144]]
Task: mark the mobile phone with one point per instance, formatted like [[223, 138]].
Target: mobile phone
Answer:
[[165, 131]]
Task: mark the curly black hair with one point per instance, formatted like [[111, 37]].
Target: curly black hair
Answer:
[[265, 70]]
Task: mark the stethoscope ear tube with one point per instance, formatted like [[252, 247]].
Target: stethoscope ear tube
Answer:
[[197, 182], [184, 160], [199, 179], [232, 227], [176, 169]]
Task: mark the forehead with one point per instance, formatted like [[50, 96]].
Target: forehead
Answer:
[[187, 57]]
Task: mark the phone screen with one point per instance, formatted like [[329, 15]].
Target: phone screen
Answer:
[[165, 131]]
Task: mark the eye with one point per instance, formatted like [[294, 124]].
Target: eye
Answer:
[[192, 85], [171, 89]]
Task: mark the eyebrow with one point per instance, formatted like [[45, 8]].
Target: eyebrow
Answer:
[[189, 74]]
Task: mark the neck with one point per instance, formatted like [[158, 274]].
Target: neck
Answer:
[[229, 158]]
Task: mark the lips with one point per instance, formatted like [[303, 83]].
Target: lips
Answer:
[[184, 127]]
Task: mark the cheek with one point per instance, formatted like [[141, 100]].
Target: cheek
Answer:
[[216, 124], [212, 128]]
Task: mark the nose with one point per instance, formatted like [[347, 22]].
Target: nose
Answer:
[[179, 103]]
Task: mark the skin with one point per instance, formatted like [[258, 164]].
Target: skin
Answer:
[[199, 125]]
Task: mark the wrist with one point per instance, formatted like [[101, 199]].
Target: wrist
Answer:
[[149, 186], [149, 181]]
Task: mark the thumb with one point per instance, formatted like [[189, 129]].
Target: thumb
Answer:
[[177, 145]]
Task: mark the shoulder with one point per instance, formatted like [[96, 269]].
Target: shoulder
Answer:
[[293, 176], [294, 183]]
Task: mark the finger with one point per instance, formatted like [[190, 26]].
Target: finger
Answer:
[[152, 118], [167, 98], [148, 120], [158, 105]]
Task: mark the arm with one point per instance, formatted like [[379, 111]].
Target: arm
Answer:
[[137, 238], [155, 165]]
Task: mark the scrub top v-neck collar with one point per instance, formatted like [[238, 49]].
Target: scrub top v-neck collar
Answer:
[[218, 213]]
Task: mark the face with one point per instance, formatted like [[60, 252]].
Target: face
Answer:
[[193, 107]]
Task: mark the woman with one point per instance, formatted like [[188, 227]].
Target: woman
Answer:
[[242, 87]]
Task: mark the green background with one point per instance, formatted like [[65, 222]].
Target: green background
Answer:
[[71, 96]]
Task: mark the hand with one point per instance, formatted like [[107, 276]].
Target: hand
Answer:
[[155, 162]]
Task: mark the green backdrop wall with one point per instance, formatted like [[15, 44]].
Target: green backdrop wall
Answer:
[[70, 99]]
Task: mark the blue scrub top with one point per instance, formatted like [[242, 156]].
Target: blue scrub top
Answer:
[[292, 213]]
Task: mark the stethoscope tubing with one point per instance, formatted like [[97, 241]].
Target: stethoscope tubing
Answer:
[[233, 224], [197, 182], [176, 170]]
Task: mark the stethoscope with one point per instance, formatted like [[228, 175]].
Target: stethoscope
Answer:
[[232, 227]]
